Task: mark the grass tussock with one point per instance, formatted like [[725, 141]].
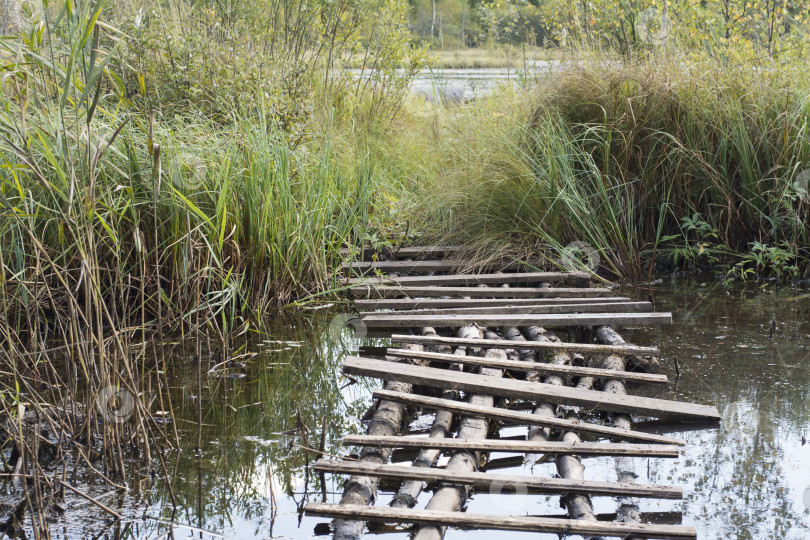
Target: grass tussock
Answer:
[[646, 161]]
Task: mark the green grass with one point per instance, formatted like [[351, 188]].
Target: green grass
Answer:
[[645, 161]]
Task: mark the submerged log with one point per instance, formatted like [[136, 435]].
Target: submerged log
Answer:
[[628, 511], [579, 506], [362, 490], [450, 498], [410, 489]]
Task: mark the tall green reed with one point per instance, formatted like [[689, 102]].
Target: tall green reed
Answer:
[[117, 226]]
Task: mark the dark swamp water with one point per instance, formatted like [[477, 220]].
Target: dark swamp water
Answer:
[[749, 478]]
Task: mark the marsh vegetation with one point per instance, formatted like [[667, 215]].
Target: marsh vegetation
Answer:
[[180, 172]]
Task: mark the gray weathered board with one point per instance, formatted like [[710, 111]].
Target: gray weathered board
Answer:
[[523, 418], [432, 303], [476, 279], [595, 307], [545, 393], [539, 367], [396, 320], [384, 291], [501, 523], [583, 449], [444, 265], [481, 480], [527, 345]]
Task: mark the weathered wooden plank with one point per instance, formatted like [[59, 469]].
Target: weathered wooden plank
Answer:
[[477, 279], [432, 303], [540, 367], [561, 395], [524, 418], [502, 523], [530, 319], [481, 480], [497, 445], [437, 265], [529, 345], [596, 307], [385, 291]]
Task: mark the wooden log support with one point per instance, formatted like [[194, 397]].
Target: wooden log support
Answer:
[[502, 523], [523, 278], [596, 307], [384, 291], [452, 497], [408, 492], [540, 367], [362, 490], [628, 511], [579, 505], [546, 319], [589, 399], [456, 303], [498, 445], [497, 413], [583, 348], [455, 477]]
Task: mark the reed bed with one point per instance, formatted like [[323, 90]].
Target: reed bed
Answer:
[[652, 162], [118, 226]]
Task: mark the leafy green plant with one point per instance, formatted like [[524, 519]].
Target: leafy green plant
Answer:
[[763, 261]]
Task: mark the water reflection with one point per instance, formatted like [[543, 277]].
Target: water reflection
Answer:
[[746, 479]]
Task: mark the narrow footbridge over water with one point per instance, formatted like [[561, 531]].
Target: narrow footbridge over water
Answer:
[[486, 352]]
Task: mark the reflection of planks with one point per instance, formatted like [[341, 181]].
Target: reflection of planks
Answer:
[[424, 309]]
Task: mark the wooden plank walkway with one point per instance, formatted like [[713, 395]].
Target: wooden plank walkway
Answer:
[[386, 291], [484, 336], [528, 419], [539, 319], [510, 388], [433, 303], [528, 345], [486, 481], [465, 520], [596, 307], [498, 445], [522, 278], [528, 366]]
